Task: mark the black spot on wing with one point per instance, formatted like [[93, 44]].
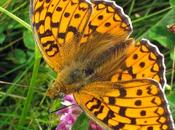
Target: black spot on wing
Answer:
[[99, 111], [109, 116]]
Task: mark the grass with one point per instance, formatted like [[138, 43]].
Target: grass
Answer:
[[24, 76]]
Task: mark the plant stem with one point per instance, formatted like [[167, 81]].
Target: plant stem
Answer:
[[173, 67], [26, 25], [131, 7], [151, 15], [30, 93]]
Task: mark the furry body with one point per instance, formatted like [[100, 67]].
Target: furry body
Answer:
[[96, 60]]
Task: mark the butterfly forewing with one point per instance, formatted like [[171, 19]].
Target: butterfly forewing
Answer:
[[57, 22], [127, 105], [108, 18]]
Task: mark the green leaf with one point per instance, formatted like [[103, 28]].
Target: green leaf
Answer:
[[2, 28], [28, 40], [172, 53], [55, 106], [18, 56], [2, 38], [2, 2], [171, 100], [82, 122], [172, 3], [160, 33], [168, 87], [2, 35]]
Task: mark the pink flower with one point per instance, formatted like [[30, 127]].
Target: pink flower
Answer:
[[70, 113], [94, 126]]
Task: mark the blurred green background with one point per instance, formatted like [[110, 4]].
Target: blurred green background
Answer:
[[24, 76]]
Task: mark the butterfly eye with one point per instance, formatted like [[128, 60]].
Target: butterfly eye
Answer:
[[75, 74], [88, 71]]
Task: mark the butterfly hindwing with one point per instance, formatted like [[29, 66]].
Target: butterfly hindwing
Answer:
[[143, 60], [126, 105], [56, 22]]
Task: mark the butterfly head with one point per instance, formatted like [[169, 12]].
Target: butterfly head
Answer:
[[75, 76]]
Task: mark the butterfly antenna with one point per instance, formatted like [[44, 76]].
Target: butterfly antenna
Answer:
[[63, 107]]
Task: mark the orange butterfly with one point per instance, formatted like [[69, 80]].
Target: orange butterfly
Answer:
[[117, 81]]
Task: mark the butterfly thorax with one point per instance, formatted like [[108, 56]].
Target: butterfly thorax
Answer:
[[89, 62]]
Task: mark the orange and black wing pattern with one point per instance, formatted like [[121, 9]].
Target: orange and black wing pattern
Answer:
[[108, 18], [134, 98], [143, 60], [56, 22], [126, 105]]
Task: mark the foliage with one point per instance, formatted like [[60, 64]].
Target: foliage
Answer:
[[24, 79]]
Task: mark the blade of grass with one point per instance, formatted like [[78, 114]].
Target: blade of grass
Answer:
[[10, 44], [18, 67], [30, 93], [126, 3], [154, 14], [12, 87], [12, 95], [19, 7], [26, 25], [151, 6], [9, 83], [5, 3], [131, 7], [173, 67], [13, 70], [142, 8], [151, 15]]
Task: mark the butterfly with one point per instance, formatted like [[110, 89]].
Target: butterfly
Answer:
[[116, 80]]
